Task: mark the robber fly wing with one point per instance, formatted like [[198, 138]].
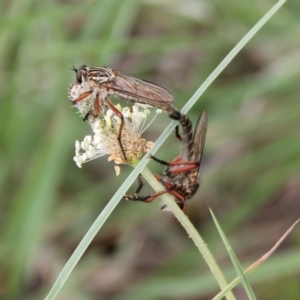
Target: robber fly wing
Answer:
[[141, 90], [199, 137]]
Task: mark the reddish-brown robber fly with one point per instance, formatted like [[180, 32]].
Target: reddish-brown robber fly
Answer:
[[100, 82], [181, 176]]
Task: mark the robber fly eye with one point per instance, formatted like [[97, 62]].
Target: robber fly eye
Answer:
[[80, 72]]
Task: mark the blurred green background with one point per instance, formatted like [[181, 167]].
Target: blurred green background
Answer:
[[250, 171]]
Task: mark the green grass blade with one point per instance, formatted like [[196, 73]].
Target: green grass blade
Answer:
[[234, 259]]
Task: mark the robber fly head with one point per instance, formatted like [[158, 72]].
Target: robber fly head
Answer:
[[81, 73]]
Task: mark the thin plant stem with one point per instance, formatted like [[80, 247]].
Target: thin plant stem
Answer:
[[193, 234]]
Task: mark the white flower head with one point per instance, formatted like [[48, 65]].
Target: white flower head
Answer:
[[106, 128]]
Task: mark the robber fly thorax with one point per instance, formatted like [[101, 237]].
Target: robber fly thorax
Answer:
[[99, 83], [105, 82], [181, 176]]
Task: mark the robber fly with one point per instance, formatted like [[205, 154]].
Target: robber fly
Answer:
[[101, 82], [181, 176]]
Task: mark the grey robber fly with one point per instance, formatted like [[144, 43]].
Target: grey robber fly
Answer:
[[102, 82]]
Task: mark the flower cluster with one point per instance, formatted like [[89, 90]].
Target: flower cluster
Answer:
[[105, 129]]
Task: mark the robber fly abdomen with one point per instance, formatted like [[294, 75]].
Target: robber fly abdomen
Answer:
[[181, 176]]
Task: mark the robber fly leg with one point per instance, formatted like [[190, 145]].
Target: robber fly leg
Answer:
[[146, 199], [140, 184], [120, 115], [83, 96], [94, 113], [162, 162], [135, 196], [184, 166], [139, 188]]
